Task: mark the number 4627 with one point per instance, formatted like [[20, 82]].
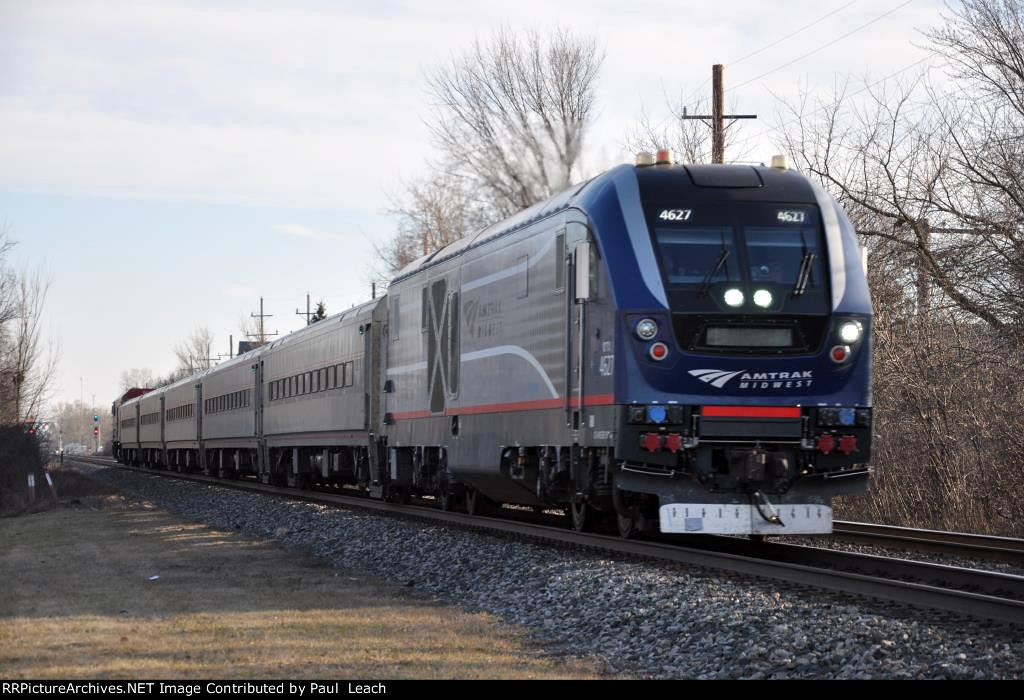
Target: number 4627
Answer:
[[675, 214]]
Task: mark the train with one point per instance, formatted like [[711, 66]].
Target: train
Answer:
[[665, 347]]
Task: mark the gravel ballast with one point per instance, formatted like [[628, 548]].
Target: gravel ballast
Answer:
[[640, 618]]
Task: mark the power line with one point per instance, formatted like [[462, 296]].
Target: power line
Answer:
[[826, 45], [754, 53], [791, 34], [836, 103]]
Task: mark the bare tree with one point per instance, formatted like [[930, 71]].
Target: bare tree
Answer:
[[29, 363], [74, 421], [510, 119], [141, 377], [932, 176], [195, 353], [689, 138], [513, 112], [898, 161], [432, 212]]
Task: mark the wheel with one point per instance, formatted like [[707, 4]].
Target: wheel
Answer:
[[474, 502], [626, 525], [398, 494], [444, 498], [582, 516]]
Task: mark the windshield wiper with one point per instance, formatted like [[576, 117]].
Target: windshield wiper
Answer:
[[714, 271], [805, 273]]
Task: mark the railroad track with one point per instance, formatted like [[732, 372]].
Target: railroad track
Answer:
[[960, 590], [988, 547]]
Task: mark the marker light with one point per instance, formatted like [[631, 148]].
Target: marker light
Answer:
[[733, 297], [763, 298], [665, 156], [656, 414], [658, 351], [850, 331], [839, 353], [644, 158], [646, 329]]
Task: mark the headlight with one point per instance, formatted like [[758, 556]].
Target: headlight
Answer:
[[733, 297], [763, 298], [850, 331], [646, 329]]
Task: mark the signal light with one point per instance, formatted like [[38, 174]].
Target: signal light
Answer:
[[95, 418], [96, 431]]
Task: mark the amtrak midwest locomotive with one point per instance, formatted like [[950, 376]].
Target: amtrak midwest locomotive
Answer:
[[673, 347]]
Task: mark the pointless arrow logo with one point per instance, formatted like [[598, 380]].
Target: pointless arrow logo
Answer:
[[715, 377]]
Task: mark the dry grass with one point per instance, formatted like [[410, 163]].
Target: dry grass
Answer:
[[77, 603]]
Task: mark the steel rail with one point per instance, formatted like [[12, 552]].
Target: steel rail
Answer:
[[1007, 606], [988, 547]]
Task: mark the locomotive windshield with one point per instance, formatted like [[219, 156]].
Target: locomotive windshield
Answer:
[[749, 258]]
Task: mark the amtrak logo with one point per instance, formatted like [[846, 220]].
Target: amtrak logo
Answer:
[[755, 380], [715, 377]]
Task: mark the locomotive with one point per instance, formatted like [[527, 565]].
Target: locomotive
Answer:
[[683, 348]]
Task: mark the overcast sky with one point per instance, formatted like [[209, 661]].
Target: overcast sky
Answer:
[[166, 163]]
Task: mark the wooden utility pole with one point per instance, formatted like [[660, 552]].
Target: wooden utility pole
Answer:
[[262, 336], [308, 313], [718, 116]]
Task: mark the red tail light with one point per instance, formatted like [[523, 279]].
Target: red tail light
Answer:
[[826, 443], [848, 444], [673, 442], [650, 442]]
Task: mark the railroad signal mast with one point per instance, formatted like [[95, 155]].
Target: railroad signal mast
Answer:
[[96, 433]]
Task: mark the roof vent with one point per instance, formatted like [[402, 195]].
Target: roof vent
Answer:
[[780, 162]]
